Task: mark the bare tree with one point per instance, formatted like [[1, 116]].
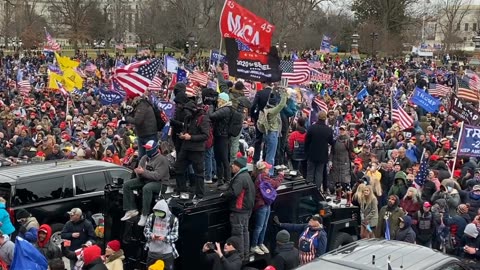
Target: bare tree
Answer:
[[74, 15], [451, 14]]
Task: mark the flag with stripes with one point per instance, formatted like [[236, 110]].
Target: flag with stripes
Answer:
[[62, 89], [315, 64], [90, 67], [24, 87], [191, 90], [199, 77], [157, 83], [400, 115], [119, 47], [297, 72], [440, 90], [135, 78], [472, 79], [466, 93], [422, 173], [51, 43], [320, 104]]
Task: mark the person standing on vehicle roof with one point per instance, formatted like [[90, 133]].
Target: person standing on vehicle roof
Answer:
[[313, 238], [152, 170], [241, 196]]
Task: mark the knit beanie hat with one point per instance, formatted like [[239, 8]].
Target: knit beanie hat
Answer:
[[471, 230], [283, 236], [114, 245], [240, 162], [91, 253], [224, 97], [234, 241], [462, 209], [22, 213]]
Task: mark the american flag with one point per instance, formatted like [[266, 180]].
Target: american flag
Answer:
[[315, 64], [24, 86], [467, 93], [200, 77], [320, 103], [51, 42], [306, 112], [422, 173], [62, 89], [191, 90], [297, 72], [472, 79], [440, 90], [399, 114], [135, 78], [90, 67], [119, 47], [156, 84]]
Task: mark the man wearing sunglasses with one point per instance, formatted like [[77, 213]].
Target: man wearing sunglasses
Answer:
[[228, 259]]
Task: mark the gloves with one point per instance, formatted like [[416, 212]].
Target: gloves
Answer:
[[276, 221], [22, 230]]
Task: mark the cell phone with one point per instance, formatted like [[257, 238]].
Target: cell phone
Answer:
[[284, 82], [66, 243]]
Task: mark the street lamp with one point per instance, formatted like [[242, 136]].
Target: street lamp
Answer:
[[285, 46], [373, 36], [354, 49], [195, 45], [187, 44], [277, 45]]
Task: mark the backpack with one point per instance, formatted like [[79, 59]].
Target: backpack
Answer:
[[299, 151], [160, 117], [269, 194], [209, 141], [236, 123], [304, 243], [262, 121]]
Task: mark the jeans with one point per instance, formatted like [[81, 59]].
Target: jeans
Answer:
[[271, 141], [239, 224], [221, 148], [148, 188], [197, 159], [257, 145], [234, 147], [142, 141], [208, 163], [315, 174], [261, 221]]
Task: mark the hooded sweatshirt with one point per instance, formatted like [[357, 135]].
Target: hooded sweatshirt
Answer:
[[47, 248], [392, 213], [406, 234], [166, 227], [6, 250], [7, 227], [399, 187]]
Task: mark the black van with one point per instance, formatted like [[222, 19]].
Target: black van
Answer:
[[208, 220], [49, 190]]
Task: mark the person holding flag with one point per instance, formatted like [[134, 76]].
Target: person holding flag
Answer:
[[389, 217]]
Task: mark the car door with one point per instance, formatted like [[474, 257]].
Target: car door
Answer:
[[89, 191]]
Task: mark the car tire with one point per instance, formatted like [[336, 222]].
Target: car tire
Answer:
[[56, 237], [342, 239]]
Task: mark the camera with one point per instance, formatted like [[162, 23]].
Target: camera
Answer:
[[211, 246]]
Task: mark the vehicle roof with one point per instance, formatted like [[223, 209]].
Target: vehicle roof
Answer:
[[359, 255], [12, 173]]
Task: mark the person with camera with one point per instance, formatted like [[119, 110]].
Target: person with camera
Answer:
[[228, 259], [313, 238], [151, 171]]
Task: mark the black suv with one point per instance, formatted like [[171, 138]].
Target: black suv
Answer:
[[48, 190], [208, 220]]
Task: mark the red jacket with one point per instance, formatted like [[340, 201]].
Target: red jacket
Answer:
[[274, 182], [297, 135]]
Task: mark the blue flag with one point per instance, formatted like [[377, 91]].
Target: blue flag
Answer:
[[109, 97], [171, 64], [425, 100], [27, 256], [422, 173], [469, 141], [216, 57], [362, 94], [181, 75], [387, 229]]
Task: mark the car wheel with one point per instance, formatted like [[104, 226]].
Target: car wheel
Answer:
[[56, 237], [342, 239]]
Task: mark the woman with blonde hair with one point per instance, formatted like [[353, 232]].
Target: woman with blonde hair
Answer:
[[368, 211], [411, 202]]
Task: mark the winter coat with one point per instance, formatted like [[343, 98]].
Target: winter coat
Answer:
[[471, 242], [7, 226], [95, 265], [229, 261], [274, 182], [29, 230], [369, 212], [406, 234], [428, 189], [84, 227], [199, 130], [424, 227], [410, 206], [274, 121], [46, 247], [285, 257], [6, 251], [392, 214], [144, 119], [474, 204], [399, 188], [155, 168], [241, 192], [452, 199], [220, 119], [319, 136], [115, 261], [340, 157], [320, 241], [259, 102]]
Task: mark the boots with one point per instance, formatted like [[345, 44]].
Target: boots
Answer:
[[349, 195], [338, 191]]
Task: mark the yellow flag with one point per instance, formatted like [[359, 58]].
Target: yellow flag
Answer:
[[73, 76], [65, 63], [54, 77]]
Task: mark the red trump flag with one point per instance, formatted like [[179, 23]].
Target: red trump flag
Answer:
[[240, 23]]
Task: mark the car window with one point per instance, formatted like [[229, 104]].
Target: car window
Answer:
[[119, 173], [39, 191], [452, 266], [89, 182]]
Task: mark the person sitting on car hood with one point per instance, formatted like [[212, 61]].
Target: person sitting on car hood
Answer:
[[313, 238], [29, 225], [405, 232], [45, 246]]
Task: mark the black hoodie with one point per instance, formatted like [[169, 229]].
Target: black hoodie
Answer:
[[286, 257]]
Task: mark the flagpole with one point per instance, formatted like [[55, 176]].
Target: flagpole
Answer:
[[220, 27], [456, 150]]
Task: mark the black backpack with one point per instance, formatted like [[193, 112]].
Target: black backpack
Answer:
[[160, 117], [236, 123]]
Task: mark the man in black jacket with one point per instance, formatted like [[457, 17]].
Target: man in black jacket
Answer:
[[229, 259], [78, 231], [194, 135], [319, 136], [143, 117], [259, 103], [241, 195], [286, 255], [177, 121]]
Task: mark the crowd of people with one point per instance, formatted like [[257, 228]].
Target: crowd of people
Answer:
[[401, 178]]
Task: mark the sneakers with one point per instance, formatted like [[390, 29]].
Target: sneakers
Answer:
[[257, 250], [264, 249], [129, 214], [142, 221], [208, 181]]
